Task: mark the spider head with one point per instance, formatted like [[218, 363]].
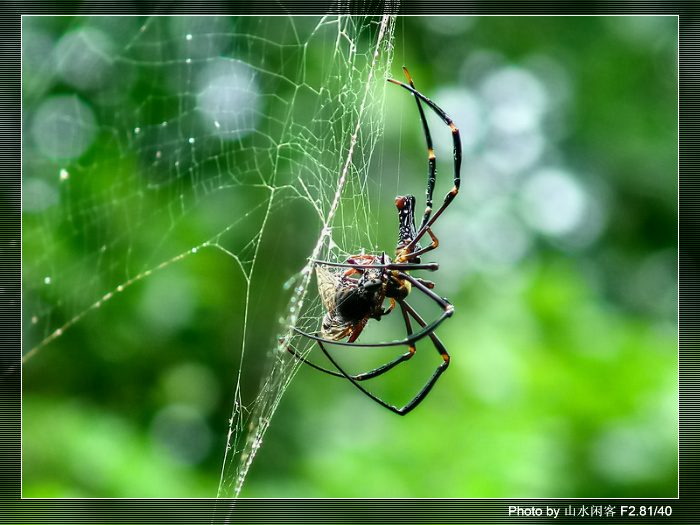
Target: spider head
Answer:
[[407, 228]]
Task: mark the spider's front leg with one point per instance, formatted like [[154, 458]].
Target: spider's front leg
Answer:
[[413, 250]]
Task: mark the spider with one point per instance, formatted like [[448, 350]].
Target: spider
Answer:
[[354, 292]]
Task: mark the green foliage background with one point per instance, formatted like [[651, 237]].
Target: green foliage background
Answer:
[[563, 380]]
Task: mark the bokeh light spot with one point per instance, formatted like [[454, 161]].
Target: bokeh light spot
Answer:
[[63, 127], [230, 98]]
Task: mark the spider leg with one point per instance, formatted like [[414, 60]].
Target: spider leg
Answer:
[[413, 403], [388, 266], [360, 377], [313, 365], [457, 142], [431, 156], [425, 288], [417, 336], [434, 244], [429, 284], [408, 310], [372, 373]]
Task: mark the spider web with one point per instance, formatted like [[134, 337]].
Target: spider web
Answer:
[[136, 129], [341, 218]]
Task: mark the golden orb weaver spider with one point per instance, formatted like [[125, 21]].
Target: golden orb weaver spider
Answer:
[[355, 295]]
